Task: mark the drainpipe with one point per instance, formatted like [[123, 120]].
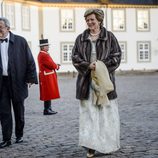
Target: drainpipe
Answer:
[[2, 8]]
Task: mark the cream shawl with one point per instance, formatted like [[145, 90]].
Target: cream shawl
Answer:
[[101, 84]]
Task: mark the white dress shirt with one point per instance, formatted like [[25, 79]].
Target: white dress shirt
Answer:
[[4, 55]]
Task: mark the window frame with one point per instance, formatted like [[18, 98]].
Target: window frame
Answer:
[[112, 19], [125, 51], [138, 51], [29, 18], [12, 17], [137, 27], [62, 52], [73, 20]]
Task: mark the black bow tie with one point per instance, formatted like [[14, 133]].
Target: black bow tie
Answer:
[[2, 40]]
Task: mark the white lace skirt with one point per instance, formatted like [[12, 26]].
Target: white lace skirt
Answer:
[[99, 128]]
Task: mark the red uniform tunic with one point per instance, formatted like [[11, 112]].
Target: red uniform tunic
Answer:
[[47, 77]]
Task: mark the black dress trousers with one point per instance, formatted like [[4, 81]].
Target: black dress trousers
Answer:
[[5, 109], [6, 99]]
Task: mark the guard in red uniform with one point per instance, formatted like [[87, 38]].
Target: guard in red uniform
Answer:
[[47, 77]]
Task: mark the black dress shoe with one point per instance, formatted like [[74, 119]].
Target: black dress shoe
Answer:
[[5, 144], [49, 112], [53, 111], [19, 140]]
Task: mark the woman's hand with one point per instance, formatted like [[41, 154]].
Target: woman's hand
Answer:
[[92, 66]]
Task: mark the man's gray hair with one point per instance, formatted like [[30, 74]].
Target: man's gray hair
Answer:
[[6, 21]]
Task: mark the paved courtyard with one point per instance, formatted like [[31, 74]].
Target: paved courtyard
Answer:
[[57, 136]]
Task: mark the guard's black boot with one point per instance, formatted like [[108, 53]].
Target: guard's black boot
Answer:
[[50, 108], [49, 112], [47, 108]]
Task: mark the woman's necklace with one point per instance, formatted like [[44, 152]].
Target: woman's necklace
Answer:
[[94, 36]]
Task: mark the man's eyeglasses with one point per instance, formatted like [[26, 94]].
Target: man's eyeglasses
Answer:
[[1, 28]]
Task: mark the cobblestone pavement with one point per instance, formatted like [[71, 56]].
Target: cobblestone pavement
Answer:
[[57, 136]]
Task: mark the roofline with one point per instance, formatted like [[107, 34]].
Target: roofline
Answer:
[[80, 5]]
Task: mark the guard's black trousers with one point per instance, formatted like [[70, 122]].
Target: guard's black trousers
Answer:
[[47, 105], [6, 100]]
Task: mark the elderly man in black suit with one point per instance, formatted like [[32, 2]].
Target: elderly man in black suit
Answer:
[[17, 73]]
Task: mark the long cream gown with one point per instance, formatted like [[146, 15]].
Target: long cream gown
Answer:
[[99, 127]]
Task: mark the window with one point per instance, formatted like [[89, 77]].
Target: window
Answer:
[[123, 46], [143, 51], [118, 20], [143, 20], [10, 14], [25, 12], [66, 49], [67, 20]]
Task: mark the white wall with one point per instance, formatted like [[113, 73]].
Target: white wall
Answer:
[[32, 35], [52, 32], [131, 36], [51, 27]]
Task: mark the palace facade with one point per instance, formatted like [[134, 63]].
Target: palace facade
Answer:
[[134, 23]]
